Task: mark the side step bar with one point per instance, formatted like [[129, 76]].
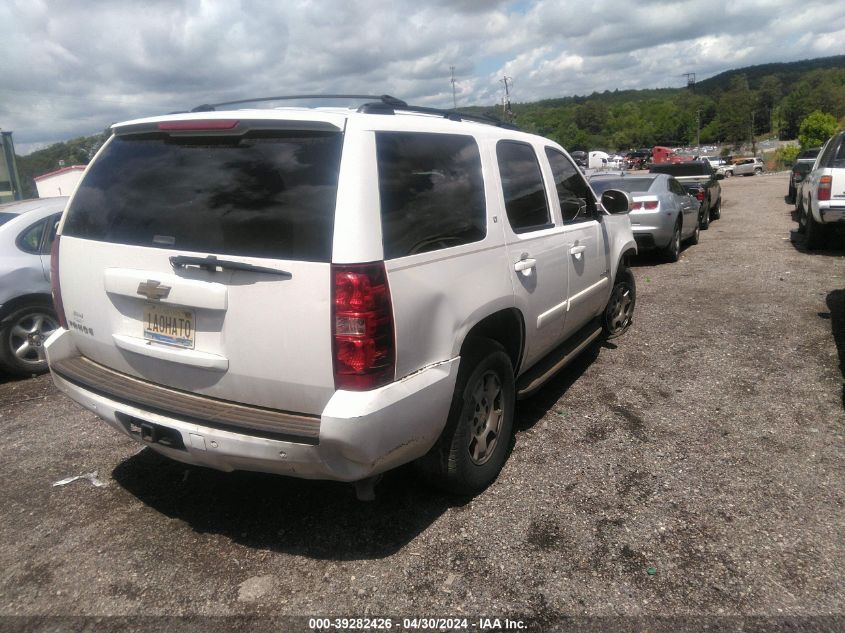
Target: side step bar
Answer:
[[557, 359]]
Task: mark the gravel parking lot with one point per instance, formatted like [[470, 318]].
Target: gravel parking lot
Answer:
[[694, 467]]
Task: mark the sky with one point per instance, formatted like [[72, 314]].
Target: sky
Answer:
[[70, 68]]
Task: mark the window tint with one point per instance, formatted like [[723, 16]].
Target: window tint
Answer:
[[5, 217], [677, 188], [52, 226], [576, 200], [522, 185], [432, 192], [631, 185], [839, 157], [30, 239], [261, 194]]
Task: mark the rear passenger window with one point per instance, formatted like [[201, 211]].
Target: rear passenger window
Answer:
[[522, 185], [432, 192], [30, 240], [576, 201], [262, 194]]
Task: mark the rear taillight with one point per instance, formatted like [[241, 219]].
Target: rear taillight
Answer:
[[649, 205], [699, 195], [54, 283], [824, 188], [362, 318]]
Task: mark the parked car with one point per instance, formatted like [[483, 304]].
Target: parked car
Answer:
[[331, 293], [638, 159], [663, 214], [580, 158], [748, 167], [27, 317], [800, 169], [700, 180], [821, 197]]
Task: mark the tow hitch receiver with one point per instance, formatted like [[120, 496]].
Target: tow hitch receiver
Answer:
[[151, 433]]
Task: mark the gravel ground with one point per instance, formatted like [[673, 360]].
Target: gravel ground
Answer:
[[692, 469]]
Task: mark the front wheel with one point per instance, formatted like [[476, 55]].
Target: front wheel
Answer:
[[619, 312], [474, 444], [22, 336], [758, 171]]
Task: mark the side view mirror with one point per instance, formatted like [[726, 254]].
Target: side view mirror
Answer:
[[616, 202]]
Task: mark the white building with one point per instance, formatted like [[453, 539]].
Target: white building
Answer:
[[61, 182]]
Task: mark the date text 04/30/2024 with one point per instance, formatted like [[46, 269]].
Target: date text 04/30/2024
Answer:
[[416, 624]]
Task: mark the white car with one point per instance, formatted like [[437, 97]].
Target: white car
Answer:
[[820, 206], [332, 292], [748, 167], [27, 319]]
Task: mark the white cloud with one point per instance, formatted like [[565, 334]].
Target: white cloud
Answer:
[[72, 68]]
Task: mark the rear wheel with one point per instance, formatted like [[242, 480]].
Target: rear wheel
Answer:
[[801, 216], [619, 312], [474, 444], [22, 337], [814, 235], [790, 196], [672, 252], [704, 220], [716, 213]]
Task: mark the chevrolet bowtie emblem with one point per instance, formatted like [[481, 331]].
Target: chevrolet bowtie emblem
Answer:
[[153, 290]]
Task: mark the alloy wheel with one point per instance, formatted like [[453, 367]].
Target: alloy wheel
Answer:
[[487, 415]]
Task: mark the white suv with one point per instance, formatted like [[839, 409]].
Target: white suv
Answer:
[[821, 195], [748, 167], [330, 293]]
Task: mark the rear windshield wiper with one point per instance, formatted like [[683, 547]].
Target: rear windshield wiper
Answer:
[[211, 264]]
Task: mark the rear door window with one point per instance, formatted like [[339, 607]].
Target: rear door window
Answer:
[[522, 185], [431, 190], [261, 194]]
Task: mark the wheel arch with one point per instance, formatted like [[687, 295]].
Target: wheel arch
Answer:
[[23, 300], [506, 327]]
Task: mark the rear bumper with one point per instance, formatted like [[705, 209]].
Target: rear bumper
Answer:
[[358, 434], [830, 214], [652, 230]]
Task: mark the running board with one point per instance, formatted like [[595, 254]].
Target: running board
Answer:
[[557, 359]]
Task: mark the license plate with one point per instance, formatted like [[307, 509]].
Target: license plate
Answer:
[[169, 324]]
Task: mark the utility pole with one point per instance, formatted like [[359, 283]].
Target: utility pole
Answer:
[[506, 99], [753, 142], [698, 128], [454, 98]]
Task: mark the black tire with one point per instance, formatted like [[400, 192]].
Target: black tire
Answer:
[[619, 312], [484, 398], [672, 252], [790, 196], [22, 336], [758, 171], [801, 217], [716, 213], [814, 234], [704, 219], [693, 239]]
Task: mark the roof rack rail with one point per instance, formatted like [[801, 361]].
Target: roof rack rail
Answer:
[[385, 99], [382, 104]]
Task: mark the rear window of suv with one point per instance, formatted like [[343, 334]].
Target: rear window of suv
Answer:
[[431, 190], [262, 194]]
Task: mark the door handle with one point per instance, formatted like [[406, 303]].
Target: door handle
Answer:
[[577, 250], [525, 266]]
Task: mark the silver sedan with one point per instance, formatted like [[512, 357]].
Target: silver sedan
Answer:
[[663, 215], [27, 229]]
